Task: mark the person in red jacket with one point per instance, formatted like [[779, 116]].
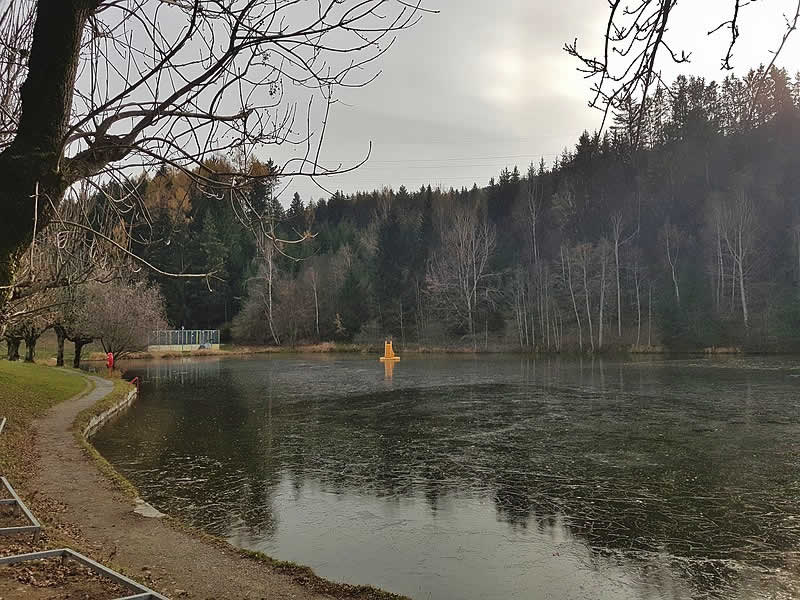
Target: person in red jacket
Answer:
[[110, 362]]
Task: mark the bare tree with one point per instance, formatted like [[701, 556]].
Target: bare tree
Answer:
[[796, 234], [566, 266], [458, 274], [293, 310], [719, 262], [520, 316], [584, 252], [636, 36], [74, 321], [673, 239], [617, 231], [313, 280], [13, 337], [32, 316], [649, 315], [738, 231], [106, 87], [602, 251], [123, 314], [636, 271], [532, 191], [269, 274]]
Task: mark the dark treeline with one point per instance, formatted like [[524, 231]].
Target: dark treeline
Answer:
[[692, 240]]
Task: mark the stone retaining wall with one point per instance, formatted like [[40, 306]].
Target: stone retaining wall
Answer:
[[97, 421]]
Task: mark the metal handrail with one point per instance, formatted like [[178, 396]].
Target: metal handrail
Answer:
[[141, 592]]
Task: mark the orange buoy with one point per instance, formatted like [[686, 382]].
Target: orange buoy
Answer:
[[388, 352]]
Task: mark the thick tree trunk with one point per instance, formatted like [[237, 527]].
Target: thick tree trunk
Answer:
[[61, 335], [13, 348], [30, 348], [35, 155], [76, 362]]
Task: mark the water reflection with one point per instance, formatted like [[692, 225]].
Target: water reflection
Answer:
[[388, 370], [183, 370], [498, 478]]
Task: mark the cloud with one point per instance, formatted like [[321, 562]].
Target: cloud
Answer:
[[489, 79]]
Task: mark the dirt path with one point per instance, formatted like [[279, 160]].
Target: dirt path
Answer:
[[150, 550]]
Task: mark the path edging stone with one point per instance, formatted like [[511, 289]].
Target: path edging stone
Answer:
[[96, 422]]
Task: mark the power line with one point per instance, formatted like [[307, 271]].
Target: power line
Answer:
[[455, 158]]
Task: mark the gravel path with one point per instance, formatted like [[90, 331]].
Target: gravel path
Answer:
[[170, 561]]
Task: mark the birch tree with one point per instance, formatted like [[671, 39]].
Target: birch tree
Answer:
[[584, 252], [313, 280], [458, 274], [619, 239], [566, 267], [738, 231], [673, 240], [636, 273], [533, 202], [602, 252]]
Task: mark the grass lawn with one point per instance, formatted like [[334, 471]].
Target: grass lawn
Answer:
[[47, 349], [26, 391]]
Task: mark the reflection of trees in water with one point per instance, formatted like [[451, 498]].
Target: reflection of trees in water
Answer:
[[629, 476], [211, 468], [184, 371], [626, 468]]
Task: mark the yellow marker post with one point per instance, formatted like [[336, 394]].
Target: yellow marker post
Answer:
[[388, 352]]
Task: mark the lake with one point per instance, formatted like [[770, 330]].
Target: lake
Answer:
[[484, 477]]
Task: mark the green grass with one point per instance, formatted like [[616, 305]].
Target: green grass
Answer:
[[47, 349], [26, 392]]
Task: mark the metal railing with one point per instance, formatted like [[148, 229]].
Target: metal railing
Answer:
[[17, 504], [184, 337], [139, 591]]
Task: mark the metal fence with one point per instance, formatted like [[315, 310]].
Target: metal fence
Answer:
[[138, 591], [184, 337], [33, 526]]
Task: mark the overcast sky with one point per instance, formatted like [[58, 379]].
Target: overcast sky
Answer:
[[485, 84]]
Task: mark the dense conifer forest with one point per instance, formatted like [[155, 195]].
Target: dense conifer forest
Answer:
[[690, 241]]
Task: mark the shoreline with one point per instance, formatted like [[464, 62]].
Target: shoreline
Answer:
[[111, 405], [366, 349]]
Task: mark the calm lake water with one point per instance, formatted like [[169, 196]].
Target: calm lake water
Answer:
[[484, 478]]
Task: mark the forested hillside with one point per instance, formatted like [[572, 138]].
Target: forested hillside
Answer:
[[691, 241]]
